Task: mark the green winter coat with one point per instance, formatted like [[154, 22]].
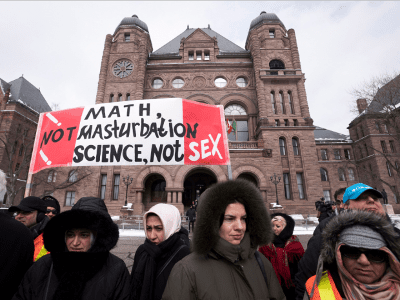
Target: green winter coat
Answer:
[[227, 272]]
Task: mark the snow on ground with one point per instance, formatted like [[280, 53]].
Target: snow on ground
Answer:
[[131, 232]]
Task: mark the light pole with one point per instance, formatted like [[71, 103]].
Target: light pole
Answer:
[[127, 180], [274, 181]]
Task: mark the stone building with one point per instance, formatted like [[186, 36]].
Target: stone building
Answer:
[[261, 87], [20, 106]]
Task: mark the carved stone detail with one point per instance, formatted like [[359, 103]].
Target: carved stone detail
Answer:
[[199, 81]]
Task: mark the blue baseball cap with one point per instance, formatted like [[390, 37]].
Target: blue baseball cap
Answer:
[[354, 191]]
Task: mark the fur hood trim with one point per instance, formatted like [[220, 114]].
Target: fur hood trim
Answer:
[[349, 218], [96, 219], [212, 206]]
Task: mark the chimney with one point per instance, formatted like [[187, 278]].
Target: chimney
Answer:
[[361, 105]]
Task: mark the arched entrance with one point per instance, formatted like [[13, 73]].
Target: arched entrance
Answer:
[[154, 191], [195, 184], [249, 177]]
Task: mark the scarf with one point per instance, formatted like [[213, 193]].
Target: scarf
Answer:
[[143, 277], [74, 270], [281, 257], [388, 288]]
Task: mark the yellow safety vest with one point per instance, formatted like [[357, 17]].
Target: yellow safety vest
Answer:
[[40, 250], [326, 289]]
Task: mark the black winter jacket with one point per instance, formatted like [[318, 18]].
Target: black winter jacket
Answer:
[[63, 275], [308, 264]]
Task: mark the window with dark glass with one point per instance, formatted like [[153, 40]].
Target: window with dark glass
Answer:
[[342, 176], [360, 152], [397, 166], [116, 186], [295, 143], [327, 195], [52, 176], [112, 98], [286, 182], [290, 102], [300, 185], [277, 123], [347, 153], [198, 55], [69, 198], [191, 55], [127, 37], [119, 97], [388, 168], [324, 174], [282, 103], [158, 193], [103, 186], [21, 150], [276, 64], [286, 122], [128, 97], [392, 148], [273, 102], [324, 154], [282, 146], [366, 149], [383, 145], [272, 33], [336, 152], [17, 167], [206, 55], [295, 122], [73, 176]]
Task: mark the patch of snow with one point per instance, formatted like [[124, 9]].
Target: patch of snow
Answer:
[[274, 205], [115, 218], [131, 232], [297, 217]]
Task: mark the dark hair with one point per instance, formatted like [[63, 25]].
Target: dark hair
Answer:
[[338, 192], [151, 214], [236, 200]]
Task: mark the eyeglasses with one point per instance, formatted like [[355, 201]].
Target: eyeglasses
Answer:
[[53, 211], [338, 203], [376, 256]]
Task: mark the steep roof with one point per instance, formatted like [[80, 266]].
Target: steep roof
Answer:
[[4, 86], [133, 21], [265, 18], [325, 135], [389, 94], [224, 44], [26, 93]]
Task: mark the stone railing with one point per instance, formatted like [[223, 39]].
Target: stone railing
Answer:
[[243, 145]]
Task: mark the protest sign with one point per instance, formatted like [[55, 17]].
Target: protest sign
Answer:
[[141, 132]]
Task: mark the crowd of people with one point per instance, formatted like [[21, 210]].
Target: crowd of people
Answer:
[[238, 251]]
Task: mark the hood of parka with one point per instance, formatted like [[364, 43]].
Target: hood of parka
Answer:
[[90, 213], [212, 206], [349, 218], [287, 232]]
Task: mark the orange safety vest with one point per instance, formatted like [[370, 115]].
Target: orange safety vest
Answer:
[[40, 250], [326, 289]]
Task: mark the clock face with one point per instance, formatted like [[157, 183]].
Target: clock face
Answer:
[[123, 68]]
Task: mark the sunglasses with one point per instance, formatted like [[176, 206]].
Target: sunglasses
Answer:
[[53, 211], [376, 256]]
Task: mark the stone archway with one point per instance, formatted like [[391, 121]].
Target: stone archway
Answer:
[[154, 191], [196, 182], [249, 177]]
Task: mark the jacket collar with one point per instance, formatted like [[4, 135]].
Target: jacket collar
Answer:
[[231, 252]]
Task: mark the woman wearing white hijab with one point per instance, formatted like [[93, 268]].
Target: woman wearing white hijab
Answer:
[[166, 243]]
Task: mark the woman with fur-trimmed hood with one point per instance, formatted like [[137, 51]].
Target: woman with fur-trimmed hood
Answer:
[[359, 259], [284, 252], [232, 222], [80, 265]]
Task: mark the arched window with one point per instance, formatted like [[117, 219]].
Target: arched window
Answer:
[[342, 176], [282, 103], [128, 97], [158, 193], [120, 97], [290, 102], [273, 102], [238, 119], [295, 143], [324, 174], [112, 98], [157, 84], [276, 64], [73, 176], [282, 146], [52, 176], [351, 174]]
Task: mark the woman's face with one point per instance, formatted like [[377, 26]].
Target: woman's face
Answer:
[[78, 240], [364, 270], [278, 226], [154, 229], [234, 225]]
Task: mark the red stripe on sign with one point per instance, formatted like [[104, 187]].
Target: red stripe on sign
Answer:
[[55, 143], [206, 143]]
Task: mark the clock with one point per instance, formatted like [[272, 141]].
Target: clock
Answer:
[[123, 68]]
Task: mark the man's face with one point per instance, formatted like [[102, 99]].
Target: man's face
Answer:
[[28, 218], [366, 201], [51, 212], [339, 201]]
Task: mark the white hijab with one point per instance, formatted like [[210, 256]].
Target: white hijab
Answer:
[[169, 216]]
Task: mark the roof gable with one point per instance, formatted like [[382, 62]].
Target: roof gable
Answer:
[[25, 92], [224, 44], [198, 36]]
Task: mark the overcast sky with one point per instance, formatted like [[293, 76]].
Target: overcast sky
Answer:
[[58, 45]]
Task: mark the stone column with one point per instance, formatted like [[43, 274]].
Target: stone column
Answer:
[[168, 197], [103, 70], [173, 200], [180, 197], [138, 207]]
